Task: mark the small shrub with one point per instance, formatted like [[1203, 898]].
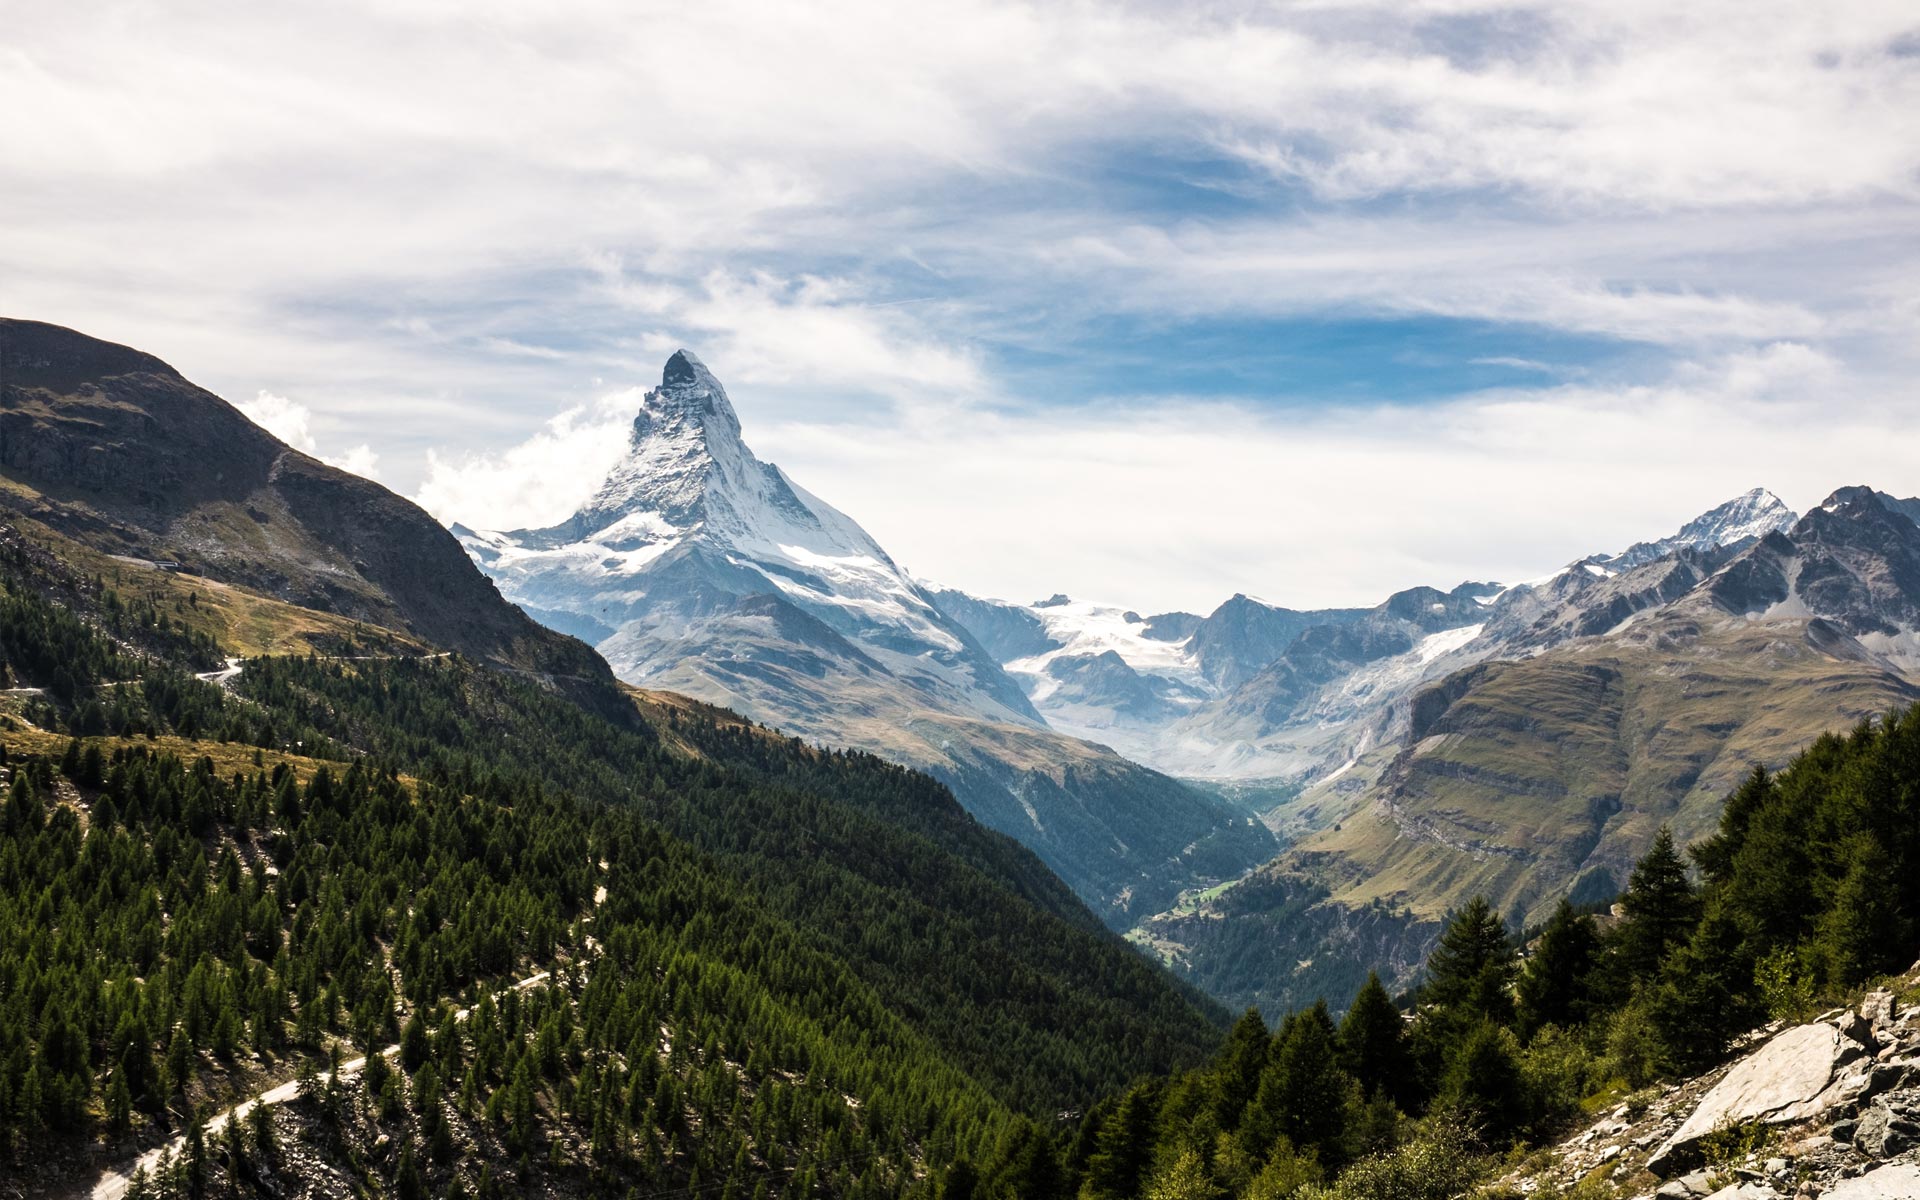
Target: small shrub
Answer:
[[1557, 1070], [1786, 988], [1733, 1143], [1635, 1051], [1438, 1165]]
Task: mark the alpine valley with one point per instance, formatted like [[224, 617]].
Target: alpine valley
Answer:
[[1270, 800], [692, 847]]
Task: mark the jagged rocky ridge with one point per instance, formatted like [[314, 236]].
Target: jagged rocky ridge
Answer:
[[1256, 691]]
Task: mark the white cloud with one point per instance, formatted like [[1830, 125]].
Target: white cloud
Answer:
[[537, 482], [360, 460], [436, 224], [283, 418], [1186, 503], [292, 423], [815, 330]]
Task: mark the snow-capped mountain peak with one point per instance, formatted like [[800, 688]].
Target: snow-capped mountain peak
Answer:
[[689, 521], [688, 472], [1746, 518]]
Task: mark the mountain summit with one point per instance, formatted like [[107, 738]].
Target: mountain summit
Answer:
[[687, 470], [698, 568], [691, 511], [1738, 523]]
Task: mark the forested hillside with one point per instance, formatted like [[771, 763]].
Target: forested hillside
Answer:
[[758, 966], [1809, 889]]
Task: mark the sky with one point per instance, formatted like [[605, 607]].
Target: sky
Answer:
[[1143, 303]]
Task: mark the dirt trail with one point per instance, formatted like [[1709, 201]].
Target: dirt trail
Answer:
[[114, 1182]]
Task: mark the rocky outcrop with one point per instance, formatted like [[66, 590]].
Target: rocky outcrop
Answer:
[[1828, 1109], [1898, 1181], [1794, 1076]]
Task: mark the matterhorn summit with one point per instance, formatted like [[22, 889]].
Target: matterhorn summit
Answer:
[[697, 568], [689, 524]]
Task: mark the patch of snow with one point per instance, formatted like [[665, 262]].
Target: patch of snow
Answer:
[[1085, 628], [1434, 645]]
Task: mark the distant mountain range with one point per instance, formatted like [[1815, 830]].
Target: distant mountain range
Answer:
[[697, 568], [1523, 740], [1588, 711], [1257, 692]]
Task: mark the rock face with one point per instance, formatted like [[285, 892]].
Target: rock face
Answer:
[[1782, 1081], [1901, 1181], [1827, 1109], [1789, 1079]]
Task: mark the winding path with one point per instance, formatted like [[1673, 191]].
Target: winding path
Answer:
[[114, 1182]]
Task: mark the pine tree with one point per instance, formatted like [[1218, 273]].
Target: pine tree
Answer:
[[415, 1045], [119, 1106], [960, 1181], [1704, 994], [1863, 932], [1373, 1042], [179, 1061], [1473, 966], [1484, 1082], [1124, 1145], [1661, 909], [1304, 1094], [1237, 1069], [1554, 988]]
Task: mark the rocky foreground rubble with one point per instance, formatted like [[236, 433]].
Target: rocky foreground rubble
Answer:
[[1826, 1109]]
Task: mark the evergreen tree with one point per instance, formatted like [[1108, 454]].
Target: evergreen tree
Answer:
[[1124, 1145], [415, 1044], [1028, 1166], [1660, 906], [1864, 932], [1237, 1069], [1373, 1042], [1304, 1094], [1554, 986], [1484, 1082], [1472, 968], [1704, 994]]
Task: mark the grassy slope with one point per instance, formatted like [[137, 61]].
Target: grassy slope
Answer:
[[1567, 764]]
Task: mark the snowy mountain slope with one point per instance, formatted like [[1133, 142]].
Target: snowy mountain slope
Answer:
[[697, 567], [1260, 691], [689, 519], [1738, 523]]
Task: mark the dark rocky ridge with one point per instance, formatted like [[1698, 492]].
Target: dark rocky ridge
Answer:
[[113, 446]]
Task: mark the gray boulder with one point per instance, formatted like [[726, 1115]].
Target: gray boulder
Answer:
[[1897, 1181], [1884, 1133], [1791, 1078]]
